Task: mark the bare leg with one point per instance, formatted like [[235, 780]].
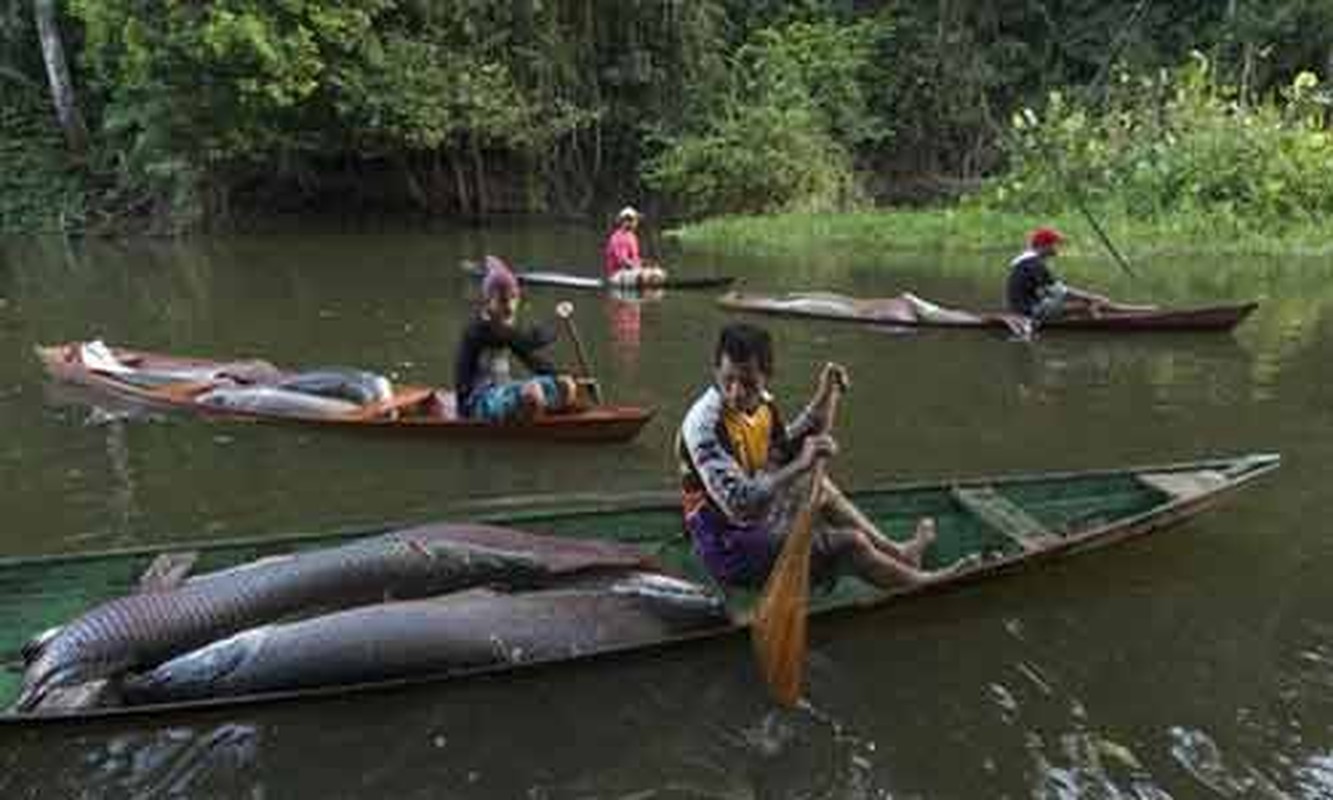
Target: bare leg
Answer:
[[534, 401], [1130, 307], [568, 389], [870, 563], [845, 511]]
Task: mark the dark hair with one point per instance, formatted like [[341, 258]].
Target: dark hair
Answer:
[[741, 343]]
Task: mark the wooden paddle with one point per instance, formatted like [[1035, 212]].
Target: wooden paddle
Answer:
[[778, 625], [565, 310]]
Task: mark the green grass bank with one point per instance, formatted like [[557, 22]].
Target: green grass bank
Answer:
[[966, 229]]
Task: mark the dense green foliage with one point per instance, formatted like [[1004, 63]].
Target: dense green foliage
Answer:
[[206, 113], [782, 137], [40, 189], [204, 100], [1179, 146]]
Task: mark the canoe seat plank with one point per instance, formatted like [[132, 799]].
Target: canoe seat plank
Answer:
[[1003, 515], [1184, 485]]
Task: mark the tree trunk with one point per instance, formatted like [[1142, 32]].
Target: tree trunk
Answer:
[[460, 184], [479, 170], [57, 73]]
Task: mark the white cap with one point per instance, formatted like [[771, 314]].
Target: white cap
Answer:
[[628, 211]]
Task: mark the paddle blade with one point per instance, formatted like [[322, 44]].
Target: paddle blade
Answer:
[[778, 627]]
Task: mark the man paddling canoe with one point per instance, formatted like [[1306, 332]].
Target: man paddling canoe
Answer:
[[484, 386], [621, 263], [742, 473], [1039, 295]]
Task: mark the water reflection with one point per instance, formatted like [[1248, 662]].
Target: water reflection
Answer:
[[624, 320], [177, 762], [222, 760]]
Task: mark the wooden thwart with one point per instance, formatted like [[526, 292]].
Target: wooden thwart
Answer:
[[1003, 515]]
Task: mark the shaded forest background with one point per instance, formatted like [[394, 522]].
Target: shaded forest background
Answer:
[[185, 116]]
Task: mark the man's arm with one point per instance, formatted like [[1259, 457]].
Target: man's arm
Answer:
[[526, 344], [814, 418], [1087, 296]]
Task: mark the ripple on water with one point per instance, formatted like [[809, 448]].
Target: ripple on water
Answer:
[[1204, 760], [214, 761]]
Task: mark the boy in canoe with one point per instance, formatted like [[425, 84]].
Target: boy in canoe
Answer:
[[483, 383], [744, 474], [621, 263], [1039, 295]]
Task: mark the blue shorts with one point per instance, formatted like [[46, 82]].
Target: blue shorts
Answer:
[[499, 402], [1052, 302]]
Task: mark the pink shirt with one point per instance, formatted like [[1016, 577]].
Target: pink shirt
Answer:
[[621, 249]]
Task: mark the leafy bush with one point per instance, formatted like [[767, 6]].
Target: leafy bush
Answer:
[[758, 159], [782, 139], [198, 98], [1177, 145], [40, 189]]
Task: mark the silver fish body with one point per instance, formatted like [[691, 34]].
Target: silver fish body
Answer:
[[139, 631], [471, 630], [276, 401]]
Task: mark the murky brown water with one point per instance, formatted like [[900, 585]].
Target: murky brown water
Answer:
[[1197, 664]]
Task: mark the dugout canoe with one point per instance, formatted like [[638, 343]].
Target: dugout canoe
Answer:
[[573, 280], [908, 311], [1011, 522], [177, 383]]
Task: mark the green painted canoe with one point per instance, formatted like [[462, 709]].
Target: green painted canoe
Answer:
[[1011, 521]]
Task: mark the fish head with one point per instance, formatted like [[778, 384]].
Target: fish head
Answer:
[[672, 597], [213, 663], [97, 693], [55, 683], [32, 649]]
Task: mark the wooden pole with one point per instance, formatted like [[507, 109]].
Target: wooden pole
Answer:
[[565, 310]]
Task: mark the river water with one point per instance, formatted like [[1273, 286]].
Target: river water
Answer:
[[1197, 663]]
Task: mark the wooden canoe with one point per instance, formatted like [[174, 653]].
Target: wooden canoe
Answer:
[[419, 409], [1010, 522], [907, 310], [571, 280]]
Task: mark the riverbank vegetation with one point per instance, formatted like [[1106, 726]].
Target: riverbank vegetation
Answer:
[[1200, 116], [1172, 162]]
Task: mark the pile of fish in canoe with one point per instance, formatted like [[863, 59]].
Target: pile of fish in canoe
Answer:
[[253, 386], [427, 600]]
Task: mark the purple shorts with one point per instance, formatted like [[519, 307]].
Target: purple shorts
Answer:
[[743, 555]]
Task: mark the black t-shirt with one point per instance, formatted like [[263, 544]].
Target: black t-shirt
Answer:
[[483, 353], [1028, 275]]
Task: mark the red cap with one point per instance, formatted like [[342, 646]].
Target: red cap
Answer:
[[498, 276], [1045, 237]]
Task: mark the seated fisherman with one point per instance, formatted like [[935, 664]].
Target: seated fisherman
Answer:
[[621, 264], [1036, 293], [745, 475], [483, 384]]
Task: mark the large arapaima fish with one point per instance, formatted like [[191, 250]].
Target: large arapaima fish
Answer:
[[471, 630], [71, 665]]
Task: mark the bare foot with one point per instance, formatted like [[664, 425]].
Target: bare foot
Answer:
[[964, 564], [921, 541]]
